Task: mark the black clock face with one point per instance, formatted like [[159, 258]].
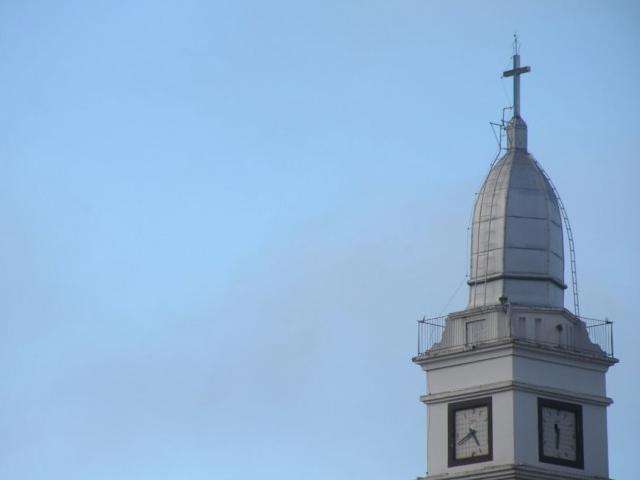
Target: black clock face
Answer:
[[470, 432], [560, 433]]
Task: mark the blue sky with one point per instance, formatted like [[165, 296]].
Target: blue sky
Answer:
[[220, 221]]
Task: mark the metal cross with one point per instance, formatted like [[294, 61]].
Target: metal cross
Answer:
[[515, 72]]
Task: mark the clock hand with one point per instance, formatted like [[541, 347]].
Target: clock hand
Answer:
[[557, 430], [472, 432], [464, 439]]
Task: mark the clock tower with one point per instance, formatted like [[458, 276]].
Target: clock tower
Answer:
[[516, 382]]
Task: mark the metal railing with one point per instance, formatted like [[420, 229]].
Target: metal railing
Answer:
[[601, 333], [431, 334]]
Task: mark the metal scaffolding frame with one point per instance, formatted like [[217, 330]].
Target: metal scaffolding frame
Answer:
[[572, 248]]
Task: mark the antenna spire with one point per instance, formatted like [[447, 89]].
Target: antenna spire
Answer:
[[515, 72]]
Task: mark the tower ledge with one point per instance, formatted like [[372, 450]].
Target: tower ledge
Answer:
[[555, 331]]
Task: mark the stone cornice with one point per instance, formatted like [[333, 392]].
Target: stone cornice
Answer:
[[564, 356], [473, 392], [512, 472], [514, 346]]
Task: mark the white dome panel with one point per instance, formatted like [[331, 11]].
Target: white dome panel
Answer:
[[516, 236]]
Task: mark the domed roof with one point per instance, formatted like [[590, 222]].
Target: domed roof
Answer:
[[516, 239]]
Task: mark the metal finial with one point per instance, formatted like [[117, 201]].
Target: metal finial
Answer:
[[515, 72]]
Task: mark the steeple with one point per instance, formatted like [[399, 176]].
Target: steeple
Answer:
[[517, 128], [516, 239]]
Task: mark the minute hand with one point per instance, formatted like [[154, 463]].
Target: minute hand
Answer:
[[464, 439]]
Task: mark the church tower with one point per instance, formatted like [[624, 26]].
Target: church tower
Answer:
[[516, 382]]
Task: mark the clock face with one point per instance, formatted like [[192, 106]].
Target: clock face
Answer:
[[560, 433], [470, 433]]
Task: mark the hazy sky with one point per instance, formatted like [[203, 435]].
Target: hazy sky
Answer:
[[220, 221]]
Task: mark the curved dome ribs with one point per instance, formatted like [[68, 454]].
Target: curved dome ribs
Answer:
[[517, 239]]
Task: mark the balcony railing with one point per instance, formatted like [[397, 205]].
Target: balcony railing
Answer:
[[601, 333], [430, 332], [431, 335]]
